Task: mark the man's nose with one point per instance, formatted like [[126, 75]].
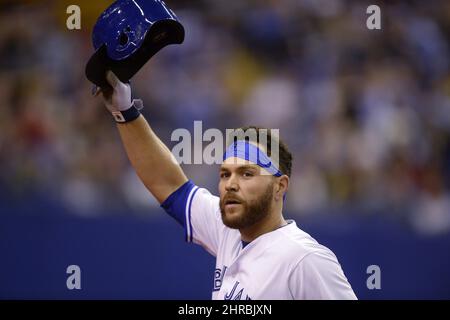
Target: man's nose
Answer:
[[232, 184]]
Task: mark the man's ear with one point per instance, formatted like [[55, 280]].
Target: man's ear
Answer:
[[282, 186]]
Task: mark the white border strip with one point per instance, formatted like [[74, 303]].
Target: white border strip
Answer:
[[188, 222]]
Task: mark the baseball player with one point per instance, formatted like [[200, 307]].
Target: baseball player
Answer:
[[259, 254]]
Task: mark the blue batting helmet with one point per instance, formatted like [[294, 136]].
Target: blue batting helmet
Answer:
[[127, 34]]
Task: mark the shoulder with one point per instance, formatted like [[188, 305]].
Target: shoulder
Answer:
[[203, 200], [314, 270], [296, 245]]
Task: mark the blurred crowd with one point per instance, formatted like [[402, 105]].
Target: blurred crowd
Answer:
[[366, 113]]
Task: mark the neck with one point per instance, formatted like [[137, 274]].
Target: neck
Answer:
[[270, 223]]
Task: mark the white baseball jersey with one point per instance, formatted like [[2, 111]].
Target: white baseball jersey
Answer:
[[286, 263]]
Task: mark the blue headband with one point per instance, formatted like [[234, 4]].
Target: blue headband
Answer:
[[248, 151]]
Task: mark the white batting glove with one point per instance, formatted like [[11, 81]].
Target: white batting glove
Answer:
[[118, 99]]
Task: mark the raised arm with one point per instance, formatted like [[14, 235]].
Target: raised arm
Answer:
[[152, 160]]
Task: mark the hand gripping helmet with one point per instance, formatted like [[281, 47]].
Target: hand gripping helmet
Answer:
[[127, 34]]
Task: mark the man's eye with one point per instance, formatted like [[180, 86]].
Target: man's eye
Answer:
[[224, 175], [248, 174]]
